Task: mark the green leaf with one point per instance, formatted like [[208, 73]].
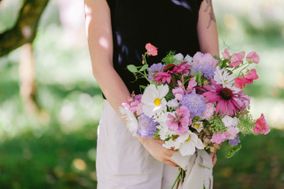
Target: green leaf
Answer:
[[198, 78], [231, 152], [170, 58], [143, 68], [132, 68]]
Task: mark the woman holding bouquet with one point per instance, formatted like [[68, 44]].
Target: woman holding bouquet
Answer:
[[117, 32]]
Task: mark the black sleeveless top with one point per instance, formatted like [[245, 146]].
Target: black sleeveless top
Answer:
[[167, 24]]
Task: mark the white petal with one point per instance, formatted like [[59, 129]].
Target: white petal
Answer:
[[187, 149], [188, 59], [178, 57], [163, 90]]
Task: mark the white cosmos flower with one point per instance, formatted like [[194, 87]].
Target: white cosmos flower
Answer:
[[173, 103], [164, 132], [230, 121], [153, 99], [223, 77], [198, 126], [186, 143], [189, 143], [131, 120], [180, 58]]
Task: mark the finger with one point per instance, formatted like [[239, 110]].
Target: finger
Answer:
[[170, 163], [160, 142], [169, 153]]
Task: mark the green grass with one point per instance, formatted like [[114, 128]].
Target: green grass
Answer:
[[47, 161], [28, 161]]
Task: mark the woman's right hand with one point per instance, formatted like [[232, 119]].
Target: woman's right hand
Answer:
[[156, 149]]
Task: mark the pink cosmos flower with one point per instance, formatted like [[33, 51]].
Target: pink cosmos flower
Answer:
[[261, 126], [178, 92], [151, 49], [228, 101], [180, 121], [251, 75], [241, 82], [226, 54], [162, 77], [191, 84], [237, 59], [253, 57], [231, 133], [133, 104], [218, 138], [182, 68], [209, 112]]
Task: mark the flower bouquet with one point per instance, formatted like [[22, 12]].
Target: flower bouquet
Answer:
[[195, 105]]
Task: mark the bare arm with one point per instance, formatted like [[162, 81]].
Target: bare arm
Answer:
[[99, 34], [208, 36], [207, 29]]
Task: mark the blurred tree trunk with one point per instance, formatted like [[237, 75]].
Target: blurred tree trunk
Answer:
[[27, 79], [23, 33], [25, 28]]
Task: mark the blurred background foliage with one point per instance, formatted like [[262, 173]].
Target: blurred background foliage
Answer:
[[50, 103]]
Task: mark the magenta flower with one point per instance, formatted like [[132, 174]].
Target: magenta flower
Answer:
[[228, 101], [237, 59], [180, 121], [253, 57], [241, 82], [151, 49], [182, 68], [162, 77], [261, 126]]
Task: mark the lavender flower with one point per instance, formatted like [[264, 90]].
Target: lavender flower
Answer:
[[204, 63], [152, 70], [146, 126], [195, 103], [235, 141]]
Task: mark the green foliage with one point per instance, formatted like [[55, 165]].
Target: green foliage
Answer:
[[170, 58], [233, 150], [132, 68], [216, 125], [246, 123]]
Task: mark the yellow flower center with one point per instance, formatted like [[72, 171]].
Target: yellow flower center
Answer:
[[189, 139], [196, 125], [157, 102]]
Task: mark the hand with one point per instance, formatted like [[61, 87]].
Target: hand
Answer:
[[157, 151], [214, 158]]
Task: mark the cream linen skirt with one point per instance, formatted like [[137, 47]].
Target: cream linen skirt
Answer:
[[122, 162]]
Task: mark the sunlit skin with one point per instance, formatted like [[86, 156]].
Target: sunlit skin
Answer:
[[99, 34]]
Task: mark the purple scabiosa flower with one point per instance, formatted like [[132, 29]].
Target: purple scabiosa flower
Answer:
[[235, 141], [195, 103], [146, 126], [204, 63], [154, 69]]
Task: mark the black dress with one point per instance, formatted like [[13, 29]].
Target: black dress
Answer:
[[168, 24]]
